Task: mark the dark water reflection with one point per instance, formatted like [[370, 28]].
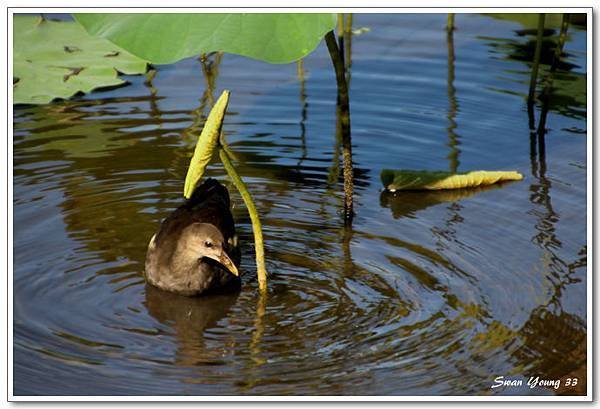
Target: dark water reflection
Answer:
[[433, 293]]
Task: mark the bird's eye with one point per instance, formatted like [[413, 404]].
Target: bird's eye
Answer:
[[208, 244]]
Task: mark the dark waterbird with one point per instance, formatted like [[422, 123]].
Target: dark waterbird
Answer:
[[195, 250]]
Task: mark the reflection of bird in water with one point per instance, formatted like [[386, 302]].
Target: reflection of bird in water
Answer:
[[195, 250], [190, 317]]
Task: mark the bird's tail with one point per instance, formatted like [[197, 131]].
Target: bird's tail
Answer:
[[209, 190]]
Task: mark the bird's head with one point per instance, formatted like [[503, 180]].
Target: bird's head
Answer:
[[205, 243]]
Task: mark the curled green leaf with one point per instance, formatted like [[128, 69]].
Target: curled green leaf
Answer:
[[207, 142], [394, 180]]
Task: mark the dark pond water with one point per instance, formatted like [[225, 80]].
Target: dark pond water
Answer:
[[435, 293]]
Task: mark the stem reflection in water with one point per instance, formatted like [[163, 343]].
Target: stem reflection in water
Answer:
[[545, 95], [253, 376], [560, 274], [154, 110], [536, 58], [209, 64]]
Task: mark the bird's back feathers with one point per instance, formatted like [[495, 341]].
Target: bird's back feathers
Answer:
[[209, 204], [209, 191]]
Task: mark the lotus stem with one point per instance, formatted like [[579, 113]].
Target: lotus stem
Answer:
[[453, 140], [450, 23], [300, 70], [304, 105], [340, 36], [223, 143], [256, 226], [344, 105], [348, 46], [348, 26]]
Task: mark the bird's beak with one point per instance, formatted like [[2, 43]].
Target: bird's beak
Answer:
[[226, 262]]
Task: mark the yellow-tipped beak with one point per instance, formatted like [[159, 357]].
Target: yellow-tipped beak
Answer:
[[226, 262]]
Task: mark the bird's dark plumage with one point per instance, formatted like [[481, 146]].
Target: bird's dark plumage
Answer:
[[195, 250]]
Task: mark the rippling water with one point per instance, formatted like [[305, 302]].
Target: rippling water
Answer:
[[434, 293]]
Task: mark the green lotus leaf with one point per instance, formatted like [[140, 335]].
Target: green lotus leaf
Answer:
[[394, 180], [207, 142], [57, 59], [169, 37]]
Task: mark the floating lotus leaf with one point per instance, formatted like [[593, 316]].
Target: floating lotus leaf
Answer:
[[169, 37], [207, 142], [57, 59], [394, 180]]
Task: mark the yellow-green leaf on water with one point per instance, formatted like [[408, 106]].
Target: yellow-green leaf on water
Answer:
[[207, 142], [394, 180]]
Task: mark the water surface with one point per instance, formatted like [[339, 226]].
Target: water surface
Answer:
[[427, 294]]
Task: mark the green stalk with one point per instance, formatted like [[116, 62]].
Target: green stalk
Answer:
[[453, 140], [304, 111], [536, 58], [340, 36], [300, 70], [340, 24], [450, 23], [225, 147], [344, 106], [348, 46], [256, 226]]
